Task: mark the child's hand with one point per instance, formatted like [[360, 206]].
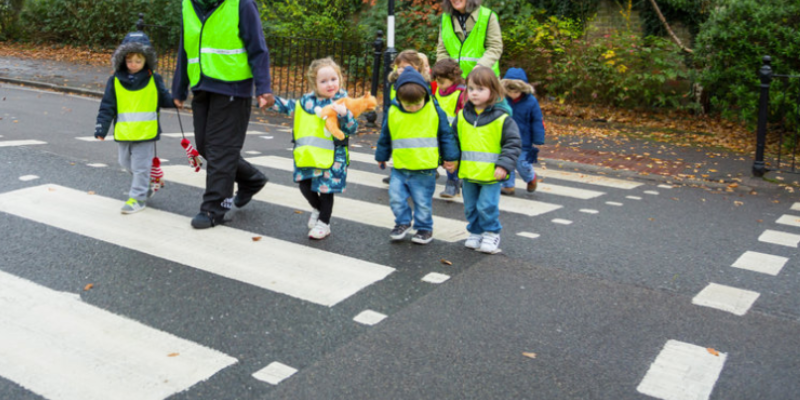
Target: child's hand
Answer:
[[340, 109], [98, 137], [382, 164], [500, 173], [450, 166], [178, 103]]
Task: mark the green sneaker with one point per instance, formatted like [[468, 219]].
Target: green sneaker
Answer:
[[133, 206]]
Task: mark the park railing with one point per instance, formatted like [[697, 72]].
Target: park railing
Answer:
[[778, 129], [289, 59]]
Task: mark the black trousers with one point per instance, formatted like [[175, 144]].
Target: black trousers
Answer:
[[321, 201], [220, 127]]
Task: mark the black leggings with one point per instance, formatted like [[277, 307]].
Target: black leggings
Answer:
[[320, 201]]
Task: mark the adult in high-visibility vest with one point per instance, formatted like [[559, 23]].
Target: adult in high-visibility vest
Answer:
[[470, 34], [221, 55], [131, 101]]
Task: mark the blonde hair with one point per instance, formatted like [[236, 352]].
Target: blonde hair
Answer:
[[413, 58], [485, 77], [133, 53], [318, 64], [516, 85]]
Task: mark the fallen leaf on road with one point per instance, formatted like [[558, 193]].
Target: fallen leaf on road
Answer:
[[173, 354], [733, 185], [446, 262], [298, 212], [759, 220], [737, 203], [88, 287], [256, 238], [712, 351], [90, 192], [529, 355]]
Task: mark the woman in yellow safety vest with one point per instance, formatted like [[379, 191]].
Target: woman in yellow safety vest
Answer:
[[470, 34]]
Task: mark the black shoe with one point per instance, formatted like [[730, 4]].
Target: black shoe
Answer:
[[387, 180], [241, 199], [205, 220], [422, 237], [399, 232]]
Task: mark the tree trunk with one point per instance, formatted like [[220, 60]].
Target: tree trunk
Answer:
[[669, 30]]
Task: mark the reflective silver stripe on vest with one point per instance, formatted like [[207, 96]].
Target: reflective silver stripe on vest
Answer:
[[315, 142], [468, 59], [222, 51], [414, 143], [137, 116], [194, 60], [478, 156]]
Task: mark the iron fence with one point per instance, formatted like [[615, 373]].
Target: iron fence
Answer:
[[778, 131]]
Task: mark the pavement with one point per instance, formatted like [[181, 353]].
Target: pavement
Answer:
[[622, 155]]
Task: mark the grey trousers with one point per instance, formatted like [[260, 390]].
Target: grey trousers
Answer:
[[137, 158]]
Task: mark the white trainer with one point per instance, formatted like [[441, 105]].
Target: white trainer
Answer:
[[473, 241], [490, 243], [313, 218], [320, 231]]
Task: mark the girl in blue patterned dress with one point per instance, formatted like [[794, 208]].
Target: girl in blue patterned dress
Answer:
[[318, 184]]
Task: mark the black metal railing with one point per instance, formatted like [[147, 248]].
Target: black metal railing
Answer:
[[165, 41], [778, 129]]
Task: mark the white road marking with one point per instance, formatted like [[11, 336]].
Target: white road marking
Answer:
[[633, 197], [435, 278], [10, 143], [543, 187], [61, 348], [274, 373], [614, 203], [369, 317], [446, 229], [508, 204], [779, 238], [529, 235], [91, 139], [266, 137], [726, 298], [318, 276], [665, 186], [589, 211], [795, 207], [96, 165], [252, 152], [26, 178], [791, 220], [651, 192], [561, 221], [682, 371], [191, 134], [760, 262], [590, 179]]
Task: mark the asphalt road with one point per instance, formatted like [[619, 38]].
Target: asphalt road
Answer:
[[592, 300]]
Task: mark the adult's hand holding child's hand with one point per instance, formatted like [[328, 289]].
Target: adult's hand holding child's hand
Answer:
[[450, 166]]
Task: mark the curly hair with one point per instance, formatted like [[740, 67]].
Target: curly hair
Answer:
[[318, 64], [413, 58], [447, 68], [471, 6]]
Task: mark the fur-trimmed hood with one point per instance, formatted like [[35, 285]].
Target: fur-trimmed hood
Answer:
[[135, 42]]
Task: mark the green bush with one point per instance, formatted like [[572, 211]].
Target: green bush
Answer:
[[620, 69], [101, 23], [311, 18], [9, 18], [730, 47]]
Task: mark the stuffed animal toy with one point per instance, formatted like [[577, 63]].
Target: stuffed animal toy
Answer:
[[194, 156], [357, 106], [156, 175]]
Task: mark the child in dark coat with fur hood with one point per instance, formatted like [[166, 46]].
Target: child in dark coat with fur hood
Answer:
[[131, 101]]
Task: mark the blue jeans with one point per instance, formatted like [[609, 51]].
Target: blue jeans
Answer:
[[419, 185], [481, 207], [525, 170]]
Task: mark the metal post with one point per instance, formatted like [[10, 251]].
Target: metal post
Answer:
[[140, 23], [389, 56], [377, 46], [765, 75]]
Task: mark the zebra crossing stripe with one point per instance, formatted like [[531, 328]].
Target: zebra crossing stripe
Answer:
[[590, 179], [299, 271], [191, 134], [445, 229], [557, 190], [683, 371], [779, 238], [508, 204], [10, 143], [791, 220], [61, 348]]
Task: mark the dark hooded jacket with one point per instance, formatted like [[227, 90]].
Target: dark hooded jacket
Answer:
[[134, 42], [448, 145], [251, 33], [510, 141], [527, 113]]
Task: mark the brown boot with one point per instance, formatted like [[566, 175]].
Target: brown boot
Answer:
[[532, 185], [507, 191]]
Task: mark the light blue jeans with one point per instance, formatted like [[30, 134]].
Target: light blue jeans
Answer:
[[419, 185], [525, 170], [481, 207]]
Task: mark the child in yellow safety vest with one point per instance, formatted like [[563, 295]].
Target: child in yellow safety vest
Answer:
[[490, 145], [320, 160], [416, 136], [451, 95], [131, 101]]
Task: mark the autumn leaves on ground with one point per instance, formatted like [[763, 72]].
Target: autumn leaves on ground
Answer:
[[608, 129]]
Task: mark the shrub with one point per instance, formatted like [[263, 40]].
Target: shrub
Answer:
[[9, 18], [729, 49]]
